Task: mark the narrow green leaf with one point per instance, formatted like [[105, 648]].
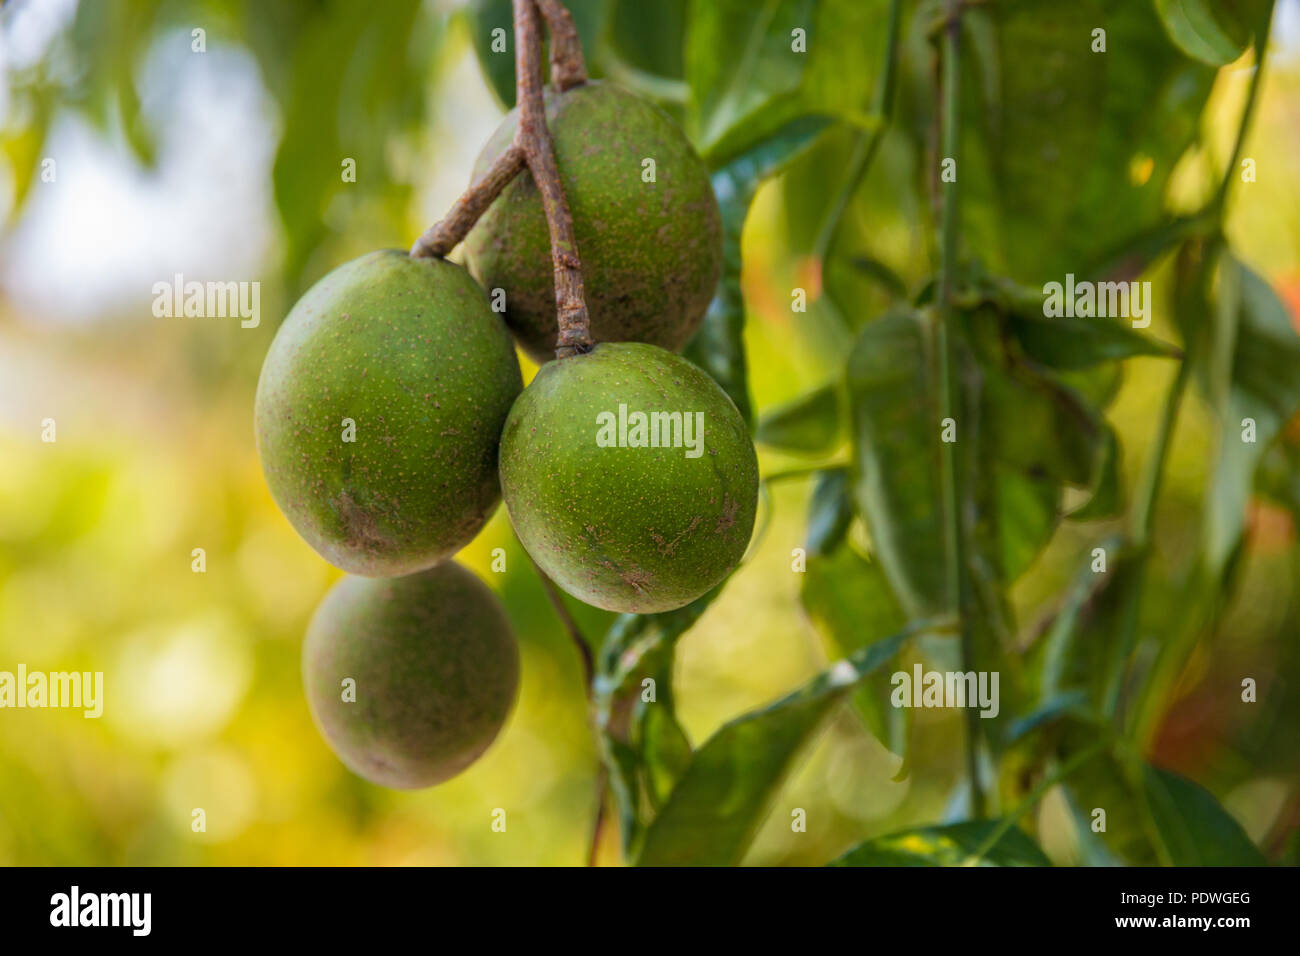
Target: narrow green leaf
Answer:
[[1211, 31], [1193, 826], [1066, 343], [950, 845], [809, 425], [830, 512], [714, 812], [850, 604], [896, 458], [1263, 395]]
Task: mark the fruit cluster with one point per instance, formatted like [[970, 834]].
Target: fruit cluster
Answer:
[[391, 418]]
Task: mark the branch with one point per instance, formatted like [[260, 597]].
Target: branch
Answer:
[[532, 136], [953, 492], [568, 68], [446, 233]]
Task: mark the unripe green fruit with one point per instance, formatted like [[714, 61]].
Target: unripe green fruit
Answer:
[[434, 666], [636, 529], [651, 251], [408, 351]]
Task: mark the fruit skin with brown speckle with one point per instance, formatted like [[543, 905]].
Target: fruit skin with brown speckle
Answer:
[[434, 667], [632, 529], [408, 350], [651, 251]]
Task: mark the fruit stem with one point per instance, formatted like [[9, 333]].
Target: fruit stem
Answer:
[[568, 69], [447, 233], [532, 136]]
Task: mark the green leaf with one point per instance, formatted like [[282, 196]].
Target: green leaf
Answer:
[[1094, 183], [809, 425], [715, 810], [487, 16], [950, 845], [1212, 31], [830, 512], [1106, 497], [649, 36], [1066, 343], [850, 604], [895, 427], [1264, 388], [718, 346], [1193, 827], [665, 750], [747, 80]]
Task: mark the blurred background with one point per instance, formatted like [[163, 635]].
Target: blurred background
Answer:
[[135, 149]]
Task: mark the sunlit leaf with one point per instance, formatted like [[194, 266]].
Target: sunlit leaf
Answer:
[[728, 787], [950, 845]]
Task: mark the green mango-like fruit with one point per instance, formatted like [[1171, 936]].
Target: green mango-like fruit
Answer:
[[651, 251], [614, 520], [379, 413], [431, 665]]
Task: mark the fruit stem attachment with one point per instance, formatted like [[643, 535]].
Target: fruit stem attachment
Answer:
[[532, 136], [447, 232], [568, 69]]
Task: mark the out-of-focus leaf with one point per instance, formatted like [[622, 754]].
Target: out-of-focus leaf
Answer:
[[486, 17], [849, 601], [949, 845], [355, 81], [1213, 31], [830, 512], [1264, 388], [809, 425], [747, 80], [649, 36], [1193, 827], [665, 750], [1076, 651], [896, 458], [1106, 498], [640, 645], [1092, 184], [718, 345], [1065, 343], [716, 808]]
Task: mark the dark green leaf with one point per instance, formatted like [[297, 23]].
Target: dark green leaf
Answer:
[[728, 787], [830, 512], [810, 425], [1194, 829], [849, 601], [1095, 182], [487, 16], [1066, 343], [747, 81], [950, 845], [896, 458]]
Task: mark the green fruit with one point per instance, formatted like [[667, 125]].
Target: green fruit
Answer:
[[433, 666], [637, 529], [651, 252], [409, 351]]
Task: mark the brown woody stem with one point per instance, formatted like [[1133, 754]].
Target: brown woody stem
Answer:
[[446, 233], [568, 69], [532, 136]]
